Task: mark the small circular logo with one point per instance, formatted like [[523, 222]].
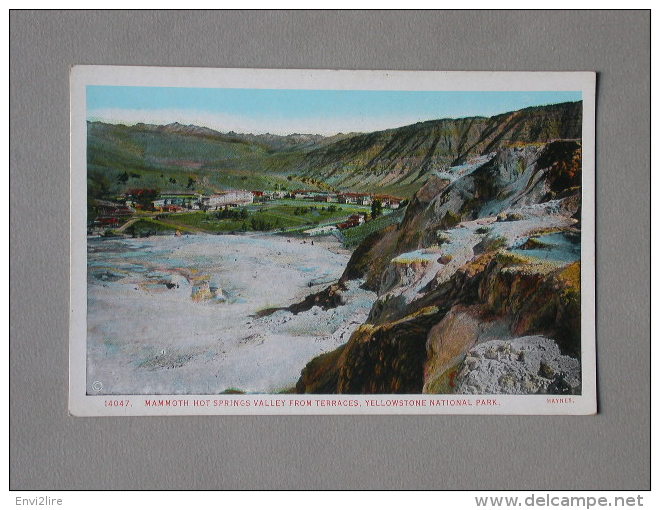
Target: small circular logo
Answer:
[[97, 386]]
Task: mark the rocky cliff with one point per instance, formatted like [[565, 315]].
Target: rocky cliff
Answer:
[[479, 286], [411, 153]]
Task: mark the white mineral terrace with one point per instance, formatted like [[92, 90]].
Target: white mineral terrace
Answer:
[[170, 315]]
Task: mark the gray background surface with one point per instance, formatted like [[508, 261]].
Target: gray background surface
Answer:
[[51, 450]]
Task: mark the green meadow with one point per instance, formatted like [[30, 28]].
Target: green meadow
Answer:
[[266, 217], [291, 216]]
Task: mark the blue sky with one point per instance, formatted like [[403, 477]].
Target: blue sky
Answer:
[[325, 112]]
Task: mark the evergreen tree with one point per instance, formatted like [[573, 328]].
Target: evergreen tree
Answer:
[[376, 209]]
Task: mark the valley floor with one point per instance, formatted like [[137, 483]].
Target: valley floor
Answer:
[[176, 315]]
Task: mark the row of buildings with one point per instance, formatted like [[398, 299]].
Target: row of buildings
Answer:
[[109, 214], [172, 202], [388, 201], [112, 214]]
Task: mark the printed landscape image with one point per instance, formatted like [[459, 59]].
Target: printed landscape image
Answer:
[[355, 242]]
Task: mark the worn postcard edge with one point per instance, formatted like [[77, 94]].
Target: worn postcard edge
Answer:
[[81, 404]]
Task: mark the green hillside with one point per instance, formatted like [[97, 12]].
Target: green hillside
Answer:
[[142, 156], [395, 161]]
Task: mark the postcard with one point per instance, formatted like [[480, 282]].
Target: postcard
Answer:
[[269, 241]]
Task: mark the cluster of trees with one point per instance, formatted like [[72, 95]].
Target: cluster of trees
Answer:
[[98, 184], [231, 214], [262, 224], [299, 211], [250, 222], [123, 178], [191, 181], [144, 197]]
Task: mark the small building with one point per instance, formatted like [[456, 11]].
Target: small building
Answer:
[[317, 196], [230, 198], [107, 208], [355, 198], [389, 201], [359, 218], [352, 221], [182, 200], [108, 221], [302, 194], [260, 196], [347, 224], [272, 195]]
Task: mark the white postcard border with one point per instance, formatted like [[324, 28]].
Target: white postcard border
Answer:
[[81, 404]]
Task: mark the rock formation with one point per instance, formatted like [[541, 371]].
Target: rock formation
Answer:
[[478, 287]]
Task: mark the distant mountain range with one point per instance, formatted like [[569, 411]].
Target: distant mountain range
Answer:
[[398, 160], [275, 142]]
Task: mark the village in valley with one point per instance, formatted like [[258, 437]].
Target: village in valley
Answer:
[[143, 212]]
